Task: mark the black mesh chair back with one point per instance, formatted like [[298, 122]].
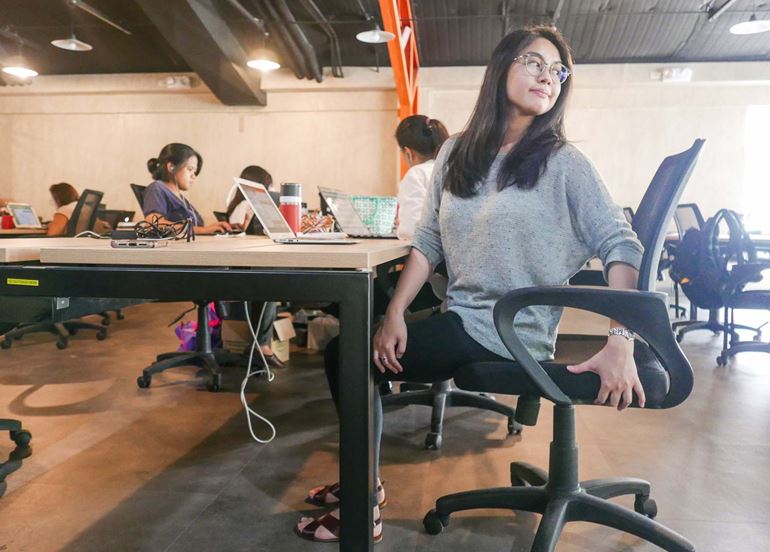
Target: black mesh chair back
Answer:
[[84, 216], [220, 216], [656, 209], [138, 190], [628, 212], [687, 216]]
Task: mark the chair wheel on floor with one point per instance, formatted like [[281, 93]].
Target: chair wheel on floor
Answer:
[[722, 360], [144, 381], [646, 506], [433, 441], [514, 428], [434, 523], [21, 438], [101, 335], [62, 343], [6, 343], [215, 383]]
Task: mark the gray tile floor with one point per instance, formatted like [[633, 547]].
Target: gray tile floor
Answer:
[[173, 468]]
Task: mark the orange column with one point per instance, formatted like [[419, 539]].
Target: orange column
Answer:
[[397, 19]]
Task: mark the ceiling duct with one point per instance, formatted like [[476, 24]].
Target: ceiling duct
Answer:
[[282, 38], [334, 43], [311, 59]]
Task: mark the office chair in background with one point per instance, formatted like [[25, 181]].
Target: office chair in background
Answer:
[[83, 218], [664, 371], [138, 190], [439, 395]]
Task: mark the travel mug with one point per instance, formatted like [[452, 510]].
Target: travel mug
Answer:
[[291, 205]]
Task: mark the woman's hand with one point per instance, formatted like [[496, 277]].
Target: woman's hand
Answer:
[[617, 370], [390, 343], [218, 227]]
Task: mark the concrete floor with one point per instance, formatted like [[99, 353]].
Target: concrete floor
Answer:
[[172, 468]]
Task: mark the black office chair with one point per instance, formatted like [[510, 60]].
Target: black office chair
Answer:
[[138, 190], [220, 216], [22, 438], [83, 218], [664, 371], [439, 395]]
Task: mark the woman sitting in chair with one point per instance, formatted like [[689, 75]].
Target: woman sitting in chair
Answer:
[[65, 197], [175, 171], [512, 204]]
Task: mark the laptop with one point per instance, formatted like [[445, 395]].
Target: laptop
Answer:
[[348, 219], [24, 215], [275, 226]]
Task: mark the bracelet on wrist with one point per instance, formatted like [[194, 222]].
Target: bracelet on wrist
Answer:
[[622, 332]]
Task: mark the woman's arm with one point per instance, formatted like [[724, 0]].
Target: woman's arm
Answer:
[[390, 339], [615, 362], [213, 228], [58, 225]]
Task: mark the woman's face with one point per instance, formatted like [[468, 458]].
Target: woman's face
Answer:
[[185, 175], [530, 95]]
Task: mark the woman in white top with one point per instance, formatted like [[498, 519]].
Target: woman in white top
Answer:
[[419, 139], [238, 210], [65, 196]]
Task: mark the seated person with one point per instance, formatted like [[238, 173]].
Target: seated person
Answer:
[[175, 170], [239, 212], [64, 197]]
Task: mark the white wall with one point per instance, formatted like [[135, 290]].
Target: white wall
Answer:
[[627, 123], [98, 132]]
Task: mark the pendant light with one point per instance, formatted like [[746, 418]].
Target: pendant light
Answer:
[[17, 65], [374, 35], [72, 44], [752, 26]]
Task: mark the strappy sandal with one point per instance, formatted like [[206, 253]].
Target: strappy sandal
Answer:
[[329, 495], [326, 528]]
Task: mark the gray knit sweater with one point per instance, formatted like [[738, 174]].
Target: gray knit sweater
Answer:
[[495, 242]]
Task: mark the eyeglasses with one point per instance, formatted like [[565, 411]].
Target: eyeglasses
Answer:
[[535, 65]]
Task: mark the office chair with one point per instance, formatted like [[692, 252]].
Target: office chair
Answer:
[[439, 395], [22, 438], [83, 218], [220, 216], [687, 216], [664, 371], [138, 190]]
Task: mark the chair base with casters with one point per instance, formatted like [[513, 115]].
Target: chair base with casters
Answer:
[[754, 299], [712, 324], [22, 438], [561, 498], [441, 395], [203, 356], [63, 331]]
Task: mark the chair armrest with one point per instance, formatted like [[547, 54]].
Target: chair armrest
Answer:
[[644, 312]]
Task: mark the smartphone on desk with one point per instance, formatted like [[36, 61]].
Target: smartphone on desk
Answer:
[[138, 244]]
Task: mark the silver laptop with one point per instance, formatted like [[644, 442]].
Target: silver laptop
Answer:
[[275, 226], [347, 217], [24, 215]]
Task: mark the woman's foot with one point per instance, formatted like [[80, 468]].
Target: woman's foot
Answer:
[[326, 528], [329, 495]]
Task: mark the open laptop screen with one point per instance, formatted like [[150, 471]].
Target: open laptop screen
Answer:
[[344, 213], [260, 200], [24, 216]]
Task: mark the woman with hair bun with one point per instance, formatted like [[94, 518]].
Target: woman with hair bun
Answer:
[[174, 171], [419, 138]]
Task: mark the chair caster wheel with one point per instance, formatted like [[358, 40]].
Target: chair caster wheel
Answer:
[[434, 523], [73, 331], [21, 437], [101, 335], [721, 360], [433, 441], [214, 384], [758, 336], [514, 428], [106, 321], [646, 506], [119, 315], [6, 343], [144, 381], [62, 343]]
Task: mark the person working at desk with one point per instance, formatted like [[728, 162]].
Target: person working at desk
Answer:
[[239, 212], [175, 170], [511, 204], [64, 197], [419, 138]]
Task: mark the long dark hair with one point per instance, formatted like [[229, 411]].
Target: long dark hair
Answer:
[[255, 173], [421, 134], [478, 144], [176, 154]]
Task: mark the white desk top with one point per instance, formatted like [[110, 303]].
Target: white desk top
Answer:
[[28, 249]]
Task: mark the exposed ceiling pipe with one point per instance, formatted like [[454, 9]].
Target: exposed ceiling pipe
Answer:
[[299, 36], [334, 43], [283, 39], [97, 14], [713, 14]]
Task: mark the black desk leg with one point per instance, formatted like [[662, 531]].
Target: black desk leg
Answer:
[[356, 396]]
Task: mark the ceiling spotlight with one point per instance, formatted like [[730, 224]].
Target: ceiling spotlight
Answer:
[[73, 44], [375, 36], [20, 71], [752, 26], [264, 60]]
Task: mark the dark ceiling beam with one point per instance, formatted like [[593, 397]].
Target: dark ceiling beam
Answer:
[[196, 30]]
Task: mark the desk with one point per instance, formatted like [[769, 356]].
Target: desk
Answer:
[[17, 232], [251, 269], [28, 249]]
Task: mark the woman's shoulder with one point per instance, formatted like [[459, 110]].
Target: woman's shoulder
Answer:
[[156, 185], [570, 153], [67, 209]]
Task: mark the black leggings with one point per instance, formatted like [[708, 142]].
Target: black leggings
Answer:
[[435, 348]]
